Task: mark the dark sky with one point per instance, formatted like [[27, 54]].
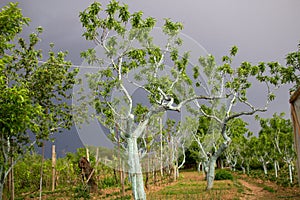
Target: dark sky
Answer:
[[264, 30]]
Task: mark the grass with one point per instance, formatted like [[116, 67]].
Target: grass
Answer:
[[194, 188], [268, 188]]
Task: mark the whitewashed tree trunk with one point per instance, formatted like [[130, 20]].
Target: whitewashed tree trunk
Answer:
[[211, 172], [222, 164], [291, 172], [161, 149], [135, 170], [275, 168], [213, 160], [265, 168], [243, 169], [199, 166]]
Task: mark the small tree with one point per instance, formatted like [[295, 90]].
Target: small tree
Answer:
[[34, 92], [279, 132], [231, 84], [131, 59], [237, 131], [290, 74]]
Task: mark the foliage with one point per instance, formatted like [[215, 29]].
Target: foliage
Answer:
[[108, 182], [290, 74], [82, 191], [26, 173], [223, 175], [132, 57], [33, 92]]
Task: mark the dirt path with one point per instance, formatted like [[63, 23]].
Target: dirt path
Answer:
[[255, 189], [252, 192]]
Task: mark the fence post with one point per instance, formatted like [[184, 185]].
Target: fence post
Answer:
[[53, 167], [87, 154]]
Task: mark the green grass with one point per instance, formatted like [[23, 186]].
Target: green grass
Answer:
[[268, 188], [189, 188]]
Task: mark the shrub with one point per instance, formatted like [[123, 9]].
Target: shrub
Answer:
[[108, 182], [223, 175], [82, 191]]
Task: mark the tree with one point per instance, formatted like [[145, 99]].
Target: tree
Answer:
[[145, 62], [34, 93], [279, 132], [131, 58], [237, 131], [290, 74], [231, 84]]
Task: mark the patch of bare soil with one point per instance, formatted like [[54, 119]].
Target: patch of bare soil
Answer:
[[252, 192], [256, 189]]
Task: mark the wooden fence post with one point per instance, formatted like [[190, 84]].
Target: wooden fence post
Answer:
[[53, 167], [87, 154]]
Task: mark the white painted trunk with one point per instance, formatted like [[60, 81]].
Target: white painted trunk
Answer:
[[135, 170], [161, 149], [199, 167], [211, 172], [175, 172], [291, 173], [265, 168], [275, 167], [243, 169], [213, 160], [222, 164]]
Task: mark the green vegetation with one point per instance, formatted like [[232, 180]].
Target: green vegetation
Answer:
[[34, 92], [223, 175]]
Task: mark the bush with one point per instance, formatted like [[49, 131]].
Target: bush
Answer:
[[223, 175], [108, 182], [82, 191]]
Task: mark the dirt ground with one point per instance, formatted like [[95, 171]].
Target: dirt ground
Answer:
[[192, 186], [256, 189], [247, 189]]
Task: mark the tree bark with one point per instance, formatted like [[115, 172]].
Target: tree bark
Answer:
[[1, 189], [135, 170], [275, 167], [213, 160], [265, 168], [290, 173], [41, 172], [211, 172]]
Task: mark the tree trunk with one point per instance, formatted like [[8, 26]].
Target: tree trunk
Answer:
[[199, 167], [53, 167], [243, 169], [122, 178], [211, 172], [3, 171], [205, 166], [175, 172], [41, 172], [222, 163], [1, 189], [2, 179], [265, 168], [290, 173], [275, 168], [135, 170], [213, 159], [161, 150]]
